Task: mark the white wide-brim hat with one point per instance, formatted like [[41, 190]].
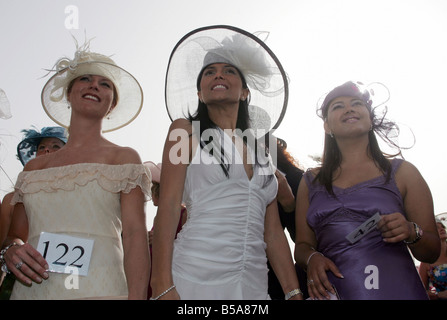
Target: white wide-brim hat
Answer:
[[54, 93], [260, 67]]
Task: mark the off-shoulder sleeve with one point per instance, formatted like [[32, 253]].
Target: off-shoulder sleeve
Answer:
[[113, 178]]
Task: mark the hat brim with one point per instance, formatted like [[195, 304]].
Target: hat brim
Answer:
[[186, 62], [130, 94]]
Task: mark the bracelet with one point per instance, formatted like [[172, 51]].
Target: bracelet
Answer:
[[163, 293], [4, 267], [419, 234], [311, 255], [293, 293], [3, 251]]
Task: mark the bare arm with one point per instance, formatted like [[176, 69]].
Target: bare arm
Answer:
[[172, 182], [135, 243], [134, 233], [5, 216], [285, 195], [418, 203], [278, 251], [34, 265], [306, 255]]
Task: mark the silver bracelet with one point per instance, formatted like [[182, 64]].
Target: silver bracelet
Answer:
[[3, 251], [4, 267], [293, 293], [311, 255], [163, 293]]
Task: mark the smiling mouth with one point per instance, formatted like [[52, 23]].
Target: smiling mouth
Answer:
[[219, 87], [351, 119], [91, 97]]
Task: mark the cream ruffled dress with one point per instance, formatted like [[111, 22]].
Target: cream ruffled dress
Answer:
[[80, 200]]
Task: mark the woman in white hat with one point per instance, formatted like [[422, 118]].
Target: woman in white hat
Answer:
[[79, 228], [233, 222]]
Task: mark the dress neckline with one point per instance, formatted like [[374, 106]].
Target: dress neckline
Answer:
[[359, 184]]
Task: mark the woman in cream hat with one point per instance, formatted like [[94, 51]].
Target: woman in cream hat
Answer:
[[220, 253], [88, 198]]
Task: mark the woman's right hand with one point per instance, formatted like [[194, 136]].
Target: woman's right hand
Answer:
[[26, 263], [317, 281]]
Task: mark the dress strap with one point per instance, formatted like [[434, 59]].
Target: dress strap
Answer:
[[309, 178], [395, 164]]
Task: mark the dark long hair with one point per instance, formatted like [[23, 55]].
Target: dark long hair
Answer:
[[332, 156]]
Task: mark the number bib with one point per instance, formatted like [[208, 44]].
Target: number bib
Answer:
[[66, 254], [363, 229]]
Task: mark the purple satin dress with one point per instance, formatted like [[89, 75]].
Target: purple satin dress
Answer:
[[372, 269]]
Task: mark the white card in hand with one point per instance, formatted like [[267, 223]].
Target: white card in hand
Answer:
[[363, 229], [66, 254]]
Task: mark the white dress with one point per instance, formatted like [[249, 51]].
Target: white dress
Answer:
[[81, 200], [220, 251]]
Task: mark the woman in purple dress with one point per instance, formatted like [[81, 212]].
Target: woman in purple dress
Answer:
[[359, 213]]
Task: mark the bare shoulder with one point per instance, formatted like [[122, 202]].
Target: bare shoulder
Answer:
[[124, 155], [182, 124], [407, 171], [38, 163], [7, 198], [409, 179]]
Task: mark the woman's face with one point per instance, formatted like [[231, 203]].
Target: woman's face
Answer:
[[441, 231], [94, 93], [221, 82], [49, 145], [347, 116]]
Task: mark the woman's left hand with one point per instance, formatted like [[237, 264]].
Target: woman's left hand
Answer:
[[395, 227]]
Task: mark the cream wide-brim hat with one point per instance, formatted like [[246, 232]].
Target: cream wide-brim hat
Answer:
[[263, 72], [130, 93]]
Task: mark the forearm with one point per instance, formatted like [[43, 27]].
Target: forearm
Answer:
[[427, 249], [137, 264], [287, 203], [280, 258], [162, 250], [303, 251]]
